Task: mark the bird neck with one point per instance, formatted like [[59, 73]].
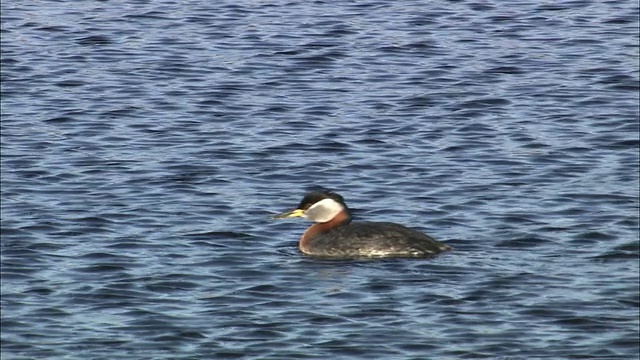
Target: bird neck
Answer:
[[343, 218]]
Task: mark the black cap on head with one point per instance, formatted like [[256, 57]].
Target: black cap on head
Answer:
[[316, 194]]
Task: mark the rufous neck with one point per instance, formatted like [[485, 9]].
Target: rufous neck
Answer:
[[316, 229]]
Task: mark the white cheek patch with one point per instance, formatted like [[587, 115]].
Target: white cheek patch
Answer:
[[324, 210]]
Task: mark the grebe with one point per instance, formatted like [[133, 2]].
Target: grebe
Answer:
[[334, 235]]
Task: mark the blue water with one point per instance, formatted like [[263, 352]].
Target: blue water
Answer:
[[146, 144]]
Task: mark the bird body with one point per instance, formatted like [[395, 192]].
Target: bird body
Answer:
[[334, 235]]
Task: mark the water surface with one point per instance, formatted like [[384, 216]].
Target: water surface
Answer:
[[146, 144]]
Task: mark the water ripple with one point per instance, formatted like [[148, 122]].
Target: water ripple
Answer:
[[145, 146]]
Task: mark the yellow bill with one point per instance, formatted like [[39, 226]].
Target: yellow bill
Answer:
[[290, 214]]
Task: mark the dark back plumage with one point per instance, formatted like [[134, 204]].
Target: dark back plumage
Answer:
[[376, 239]]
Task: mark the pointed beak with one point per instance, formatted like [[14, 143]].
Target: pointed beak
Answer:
[[290, 214]]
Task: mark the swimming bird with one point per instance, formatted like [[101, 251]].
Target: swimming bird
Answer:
[[334, 235]]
